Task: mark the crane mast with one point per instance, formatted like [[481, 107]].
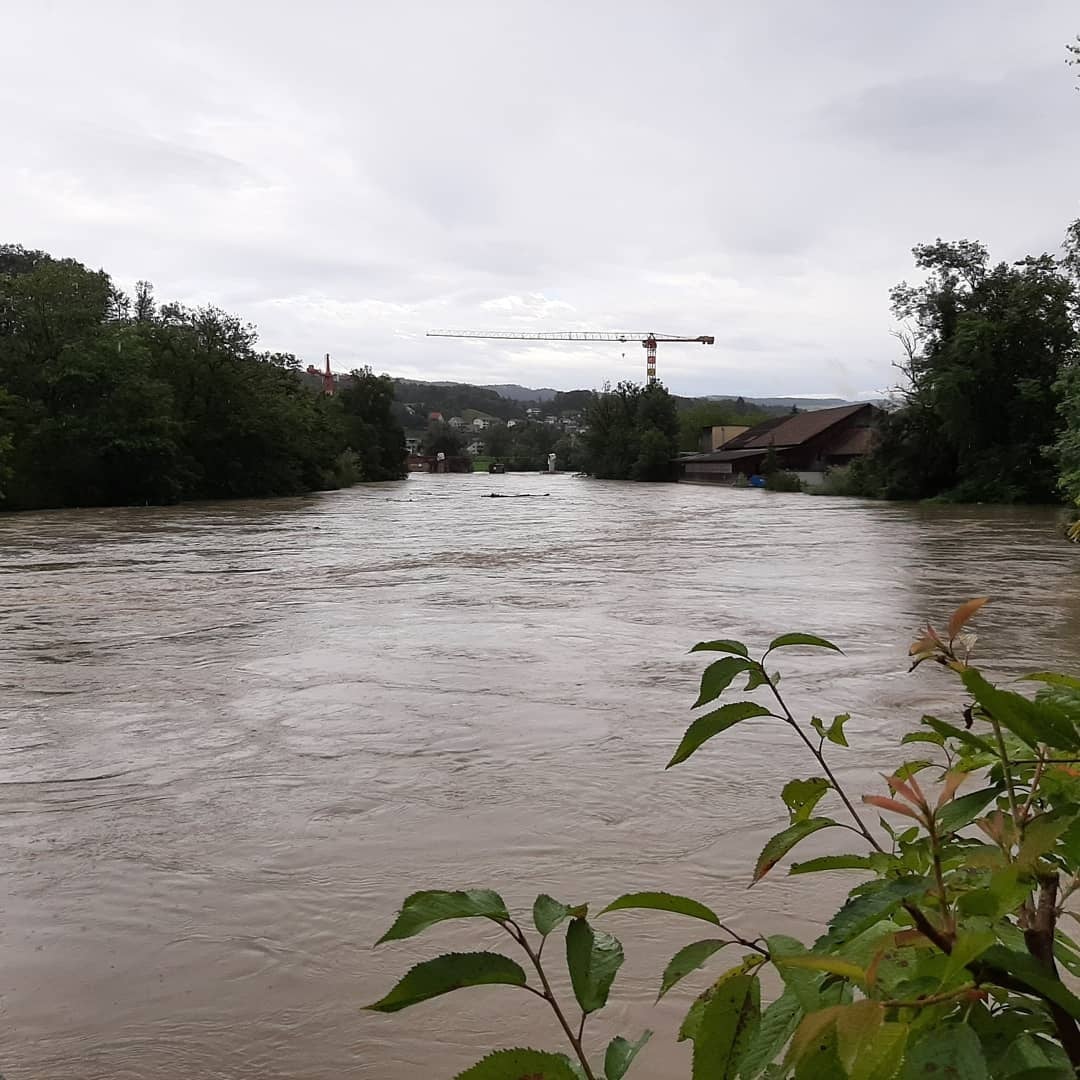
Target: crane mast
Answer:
[[648, 340]]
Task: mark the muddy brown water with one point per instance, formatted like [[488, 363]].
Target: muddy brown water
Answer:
[[234, 736]]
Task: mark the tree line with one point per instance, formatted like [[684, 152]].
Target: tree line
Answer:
[[107, 398], [989, 408]]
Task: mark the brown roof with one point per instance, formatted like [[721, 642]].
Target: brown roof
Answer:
[[858, 441], [792, 430], [746, 438]]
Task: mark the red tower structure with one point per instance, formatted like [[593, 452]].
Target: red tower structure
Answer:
[[328, 378]]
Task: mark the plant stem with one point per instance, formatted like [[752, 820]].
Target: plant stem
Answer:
[[1010, 787], [1039, 938], [939, 877], [933, 999], [548, 995], [1035, 780], [744, 942], [819, 756], [928, 929]]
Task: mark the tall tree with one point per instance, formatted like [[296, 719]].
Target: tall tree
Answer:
[[371, 430], [632, 433], [104, 400], [984, 348]]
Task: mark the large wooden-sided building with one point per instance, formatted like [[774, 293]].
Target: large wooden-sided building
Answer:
[[805, 443]]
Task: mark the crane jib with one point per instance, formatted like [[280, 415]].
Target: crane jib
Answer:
[[648, 340]]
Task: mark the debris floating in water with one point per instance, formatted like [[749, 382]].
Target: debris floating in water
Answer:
[[524, 495]]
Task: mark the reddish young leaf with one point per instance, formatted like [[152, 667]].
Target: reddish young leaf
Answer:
[[897, 807], [908, 788], [953, 779], [925, 644], [963, 614]]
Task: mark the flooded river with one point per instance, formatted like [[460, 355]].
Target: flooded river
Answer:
[[234, 736]]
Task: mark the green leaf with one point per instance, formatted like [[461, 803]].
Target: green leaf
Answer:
[[662, 901], [832, 965], [967, 947], [857, 1026], [548, 913], [778, 1024], [862, 911], [832, 862], [1041, 836], [688, 959], [784, 640], [690, 1027], [620, 1055], [951, 731], [424, 909], [724, 645], [934, 737], [951, 1051], [757, 677], [1028, 970], [727, 1028], [961, 812], [1044, 1072], [882, 1057], [718, 676], [784, 841], [805, 985], [910, 768], [705, 727], [449, 972], [1054, 678], [801, 796], [1033, 722], [593, 959], [835, 734], [835, 731], [521, 1065]]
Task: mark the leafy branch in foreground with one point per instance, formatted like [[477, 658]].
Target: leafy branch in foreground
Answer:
[[946, 959]]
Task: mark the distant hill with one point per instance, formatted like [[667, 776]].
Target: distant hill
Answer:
[[524, 393], [521, 393], [804, 404], [415, 399]]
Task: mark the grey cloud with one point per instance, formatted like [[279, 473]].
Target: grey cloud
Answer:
[[944, 115], [352, 179]]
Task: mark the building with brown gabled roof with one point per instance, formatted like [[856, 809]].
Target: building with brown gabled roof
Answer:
[[806, 443]]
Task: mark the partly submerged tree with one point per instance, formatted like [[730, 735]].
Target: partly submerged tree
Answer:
[[632, 433], [985, 346]]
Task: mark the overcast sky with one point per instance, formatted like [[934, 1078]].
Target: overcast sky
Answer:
[[348, 175]]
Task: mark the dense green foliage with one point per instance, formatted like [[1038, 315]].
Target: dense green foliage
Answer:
[[108, 399], [782, 480], [736, 413], [633, 433], [525, 447], [990, 358], [946, 959]]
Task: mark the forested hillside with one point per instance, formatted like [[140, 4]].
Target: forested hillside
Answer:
[[107, 398]]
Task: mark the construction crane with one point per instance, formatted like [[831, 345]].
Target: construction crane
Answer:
[[648, 340]]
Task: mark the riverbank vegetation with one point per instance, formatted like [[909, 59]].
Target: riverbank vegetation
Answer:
[[107, 399], [112, 399], [990, 401], [632, 433], [948, 957]]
